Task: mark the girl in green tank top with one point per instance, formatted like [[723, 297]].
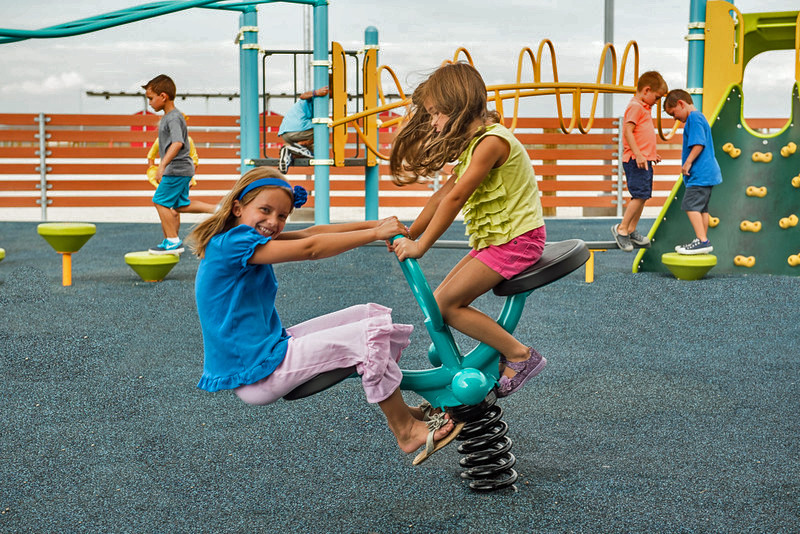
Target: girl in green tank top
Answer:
[[493, 185]]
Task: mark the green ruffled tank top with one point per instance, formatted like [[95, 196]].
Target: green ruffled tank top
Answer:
[[506, 204]]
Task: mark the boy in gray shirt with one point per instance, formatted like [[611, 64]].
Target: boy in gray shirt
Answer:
[[175, 168]]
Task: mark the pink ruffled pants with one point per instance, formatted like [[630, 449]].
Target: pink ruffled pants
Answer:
[[362, 335]]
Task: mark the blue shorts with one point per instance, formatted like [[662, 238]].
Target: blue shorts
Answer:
[[640, 181], [173, 191]]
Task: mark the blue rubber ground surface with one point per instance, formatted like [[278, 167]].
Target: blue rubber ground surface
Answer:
[[667, 406]]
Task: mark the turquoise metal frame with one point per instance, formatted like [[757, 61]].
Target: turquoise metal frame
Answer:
[[248, 69], [455, 379], [696, 52]]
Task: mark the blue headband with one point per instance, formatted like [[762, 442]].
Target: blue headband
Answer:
[[299, 194]]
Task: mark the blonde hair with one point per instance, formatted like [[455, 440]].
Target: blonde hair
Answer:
[[456, 90], [223, 219]]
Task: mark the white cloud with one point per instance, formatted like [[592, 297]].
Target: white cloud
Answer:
[[53, 84]]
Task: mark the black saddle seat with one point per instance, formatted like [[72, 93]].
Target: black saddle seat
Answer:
[[321, 382], [558, 260]]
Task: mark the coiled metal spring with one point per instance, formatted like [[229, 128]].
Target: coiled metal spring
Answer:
[[488, 460]]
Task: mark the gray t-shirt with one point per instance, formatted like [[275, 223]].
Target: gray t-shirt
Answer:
[[172, 129]]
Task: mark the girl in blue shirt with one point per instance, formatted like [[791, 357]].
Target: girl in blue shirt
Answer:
[[246, 347]]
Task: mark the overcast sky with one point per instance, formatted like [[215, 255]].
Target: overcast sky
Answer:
[[196, 47]]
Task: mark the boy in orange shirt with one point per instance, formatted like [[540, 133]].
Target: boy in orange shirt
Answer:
[[638, 157]]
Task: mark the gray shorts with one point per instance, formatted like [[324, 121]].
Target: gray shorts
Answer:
[[696, 198]]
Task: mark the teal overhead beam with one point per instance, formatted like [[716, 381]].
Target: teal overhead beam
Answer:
[[101, 22]]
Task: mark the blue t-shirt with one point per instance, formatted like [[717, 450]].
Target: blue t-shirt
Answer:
[[298, 118], [705, 170], [243, 338]]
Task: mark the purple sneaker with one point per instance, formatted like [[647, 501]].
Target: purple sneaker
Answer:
[[525, 371]]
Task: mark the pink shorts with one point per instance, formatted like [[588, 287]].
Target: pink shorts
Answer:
[[362, 335], [510, 259]]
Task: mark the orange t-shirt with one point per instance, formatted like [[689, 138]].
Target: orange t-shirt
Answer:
[[644, 133]]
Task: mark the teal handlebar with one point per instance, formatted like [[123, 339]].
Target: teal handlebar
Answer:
[[455, 380]]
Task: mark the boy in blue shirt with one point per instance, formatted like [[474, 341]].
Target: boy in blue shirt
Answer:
[[699, 166]]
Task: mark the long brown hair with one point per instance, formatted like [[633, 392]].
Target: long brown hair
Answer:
[[223, 219], [456, 90]]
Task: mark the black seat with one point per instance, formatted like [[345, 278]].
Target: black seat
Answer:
[[558, 260], [321, 382]]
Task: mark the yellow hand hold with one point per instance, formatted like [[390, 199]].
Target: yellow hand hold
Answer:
[[764, 157], [794, 260], [753, 191], [747, 226], [796, 181], [713, 222], [788, 150], [731, 150], [743, 261], [788, 222]]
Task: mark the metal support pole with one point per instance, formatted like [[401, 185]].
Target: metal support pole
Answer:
[[320, 65], [43, 164], [248, 80], [608, 37], [697, 47], [372, 175]]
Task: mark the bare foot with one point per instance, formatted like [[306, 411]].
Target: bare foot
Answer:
[[417, 435]]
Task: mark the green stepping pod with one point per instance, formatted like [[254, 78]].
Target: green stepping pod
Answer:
[[66, 237]]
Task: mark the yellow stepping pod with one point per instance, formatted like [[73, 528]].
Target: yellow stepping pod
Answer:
[[66, 238], [753, 191], [788, 222], [763, 157], [796, 181], [794, 260], [713, 222], [744, 261], [151, 267], [747, 226], [789, 149], [688, 267]]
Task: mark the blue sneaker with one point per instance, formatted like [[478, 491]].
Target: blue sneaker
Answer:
[[165, 247], [696, 247]]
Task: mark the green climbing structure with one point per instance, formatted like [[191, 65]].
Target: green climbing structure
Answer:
[[760, 191]]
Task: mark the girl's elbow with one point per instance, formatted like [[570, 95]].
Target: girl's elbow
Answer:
[[313, 249]]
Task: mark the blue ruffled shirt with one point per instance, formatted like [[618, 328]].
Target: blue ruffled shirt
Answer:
[[243, 338]]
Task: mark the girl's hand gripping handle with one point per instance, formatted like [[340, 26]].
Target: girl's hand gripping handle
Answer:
[[419, 286]]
